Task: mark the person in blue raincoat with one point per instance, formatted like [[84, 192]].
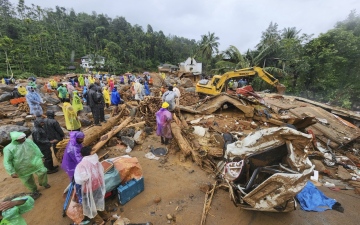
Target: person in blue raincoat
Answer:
[[34, 101], [115, 100], [147, 89]]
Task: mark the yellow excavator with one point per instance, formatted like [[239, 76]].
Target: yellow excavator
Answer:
[[218, 83]]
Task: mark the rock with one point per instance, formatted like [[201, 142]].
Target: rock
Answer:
[[112, 142], [86, 109], [85, 121], [51, 100], [29, 118], [23, 115], [6, 88], [148, 130], [54, 108], [157, 200], [319, 166], [343, 174], [5, 97], [169, 217], [186, 83], [5, 132], [18, 121], [169, 82], [129, 132], [129, 141], [139, 137], [190, 89]]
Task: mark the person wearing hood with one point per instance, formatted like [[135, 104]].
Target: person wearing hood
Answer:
[[76, 102], [87, 82], [147, 89], [32, 84], [72, 154], [106, 96], [122, 80], [34, 101], [89, 173], [22, 159], [177, 92], [101, 98], [81, 80], [53, 130], [62, 90], [111, 83], [12, 207], [70, 114], [169, 97], [139, 90], [115, 100], [85, 95], [22, 90], [70, 88], [163, 121], [94, 102], [40, 138]]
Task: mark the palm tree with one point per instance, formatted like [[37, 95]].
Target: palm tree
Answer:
[[208, 46]]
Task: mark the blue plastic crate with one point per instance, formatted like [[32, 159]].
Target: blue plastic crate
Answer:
[[129, 190]]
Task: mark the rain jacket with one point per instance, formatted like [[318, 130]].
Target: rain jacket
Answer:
[[84, 94], [91, 80], [115, 97], [22, 90], [106, 95], [62, 91], [3, 81], [32, 84], [71, 120], [89, 173], [52, 127], [138, 88], [22, 158], [147, 89], [81, 80], [72, 154], [40, 136], [13, 215], [86, 80], [163, 120], [92, 96], [111, 84], [33, 99], [76, 102], [169, 97], [70, 88], [53, 83]]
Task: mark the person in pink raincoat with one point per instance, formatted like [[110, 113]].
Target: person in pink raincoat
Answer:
[[111, 84], [163, 120]]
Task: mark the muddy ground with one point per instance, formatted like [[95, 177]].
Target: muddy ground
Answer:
[[178, 185]]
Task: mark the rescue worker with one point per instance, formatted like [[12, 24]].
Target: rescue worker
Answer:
[[177, 91], [11, 209], [71, 121], [81, 80], [34, 101], [22, 90], [72, 154], [106, 95], [62, 90], [22, 159], [101, 99], [53, 130], [147, 89], [94, 103], [138, 89], [163, 121], [87, 82], [169, 97], [111, 83], [230, 84], [41, 140], [76, 102]]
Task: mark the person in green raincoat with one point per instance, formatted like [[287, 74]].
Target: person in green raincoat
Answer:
[[81, 80], [62, 90], [11, 210], [32, 84], [76, 102], [22, 159]]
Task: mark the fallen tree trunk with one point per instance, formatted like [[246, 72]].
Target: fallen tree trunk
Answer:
[[136, 124], [182, 142], [105, 138]]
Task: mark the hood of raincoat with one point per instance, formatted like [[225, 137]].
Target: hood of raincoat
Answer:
[[14, 136], [114, 89], [38, 121], [93, 87], [75, 135], [28, 88], [50, 114]]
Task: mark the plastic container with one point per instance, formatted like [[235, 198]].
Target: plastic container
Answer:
[[129, 190]]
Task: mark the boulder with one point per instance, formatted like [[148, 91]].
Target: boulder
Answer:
[[86, 109], [112, 142], [128, 132], [5, 97], [128, 141], [190, 89], [5, 132], [139, 137], [18, 121], [186, 83], [6, 88], [169, 82], [54, 108], [85, 121], [50, 99]]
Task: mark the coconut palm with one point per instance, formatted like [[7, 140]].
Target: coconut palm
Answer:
[[208, 45]]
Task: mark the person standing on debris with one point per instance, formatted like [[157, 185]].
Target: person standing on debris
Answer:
[[122, 80], [115, 100], [76, 102], [138, 88], [111, 83], [81, 80], [34, 101], [53, 130], [70, 88], [94, 104], [101, 99], [86, 80], [62, 90], [230, 84], [235, 85], [40, 138], [22, 90], [72, 155], [169, 97], [22, 159], [106, 95], [89, 173], [11, 209], [177, 92], [163, 121], [71, 121]]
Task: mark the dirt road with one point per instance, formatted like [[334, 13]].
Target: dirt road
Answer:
[[177, 184]]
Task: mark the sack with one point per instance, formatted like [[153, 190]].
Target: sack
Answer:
[[75, 210]]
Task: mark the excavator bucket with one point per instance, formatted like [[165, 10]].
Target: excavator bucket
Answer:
[[281, 89]]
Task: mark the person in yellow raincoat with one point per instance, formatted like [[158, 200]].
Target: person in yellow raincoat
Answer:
[[53, 84], [81, 80], [106, 95], [91, 80], [3, 81], [22, 90], [70, 115], [76, 102]]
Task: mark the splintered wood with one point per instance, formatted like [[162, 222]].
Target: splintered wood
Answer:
[[207, 204], [148, 107]]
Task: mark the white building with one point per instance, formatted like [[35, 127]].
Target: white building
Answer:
[[190, 65], [87, 61]]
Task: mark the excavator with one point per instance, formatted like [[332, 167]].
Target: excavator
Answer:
[[218, 83]]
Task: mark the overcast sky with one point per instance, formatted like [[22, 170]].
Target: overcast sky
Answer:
[[235, 22]]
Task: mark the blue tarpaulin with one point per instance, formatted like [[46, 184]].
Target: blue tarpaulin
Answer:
[[312, 199]]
